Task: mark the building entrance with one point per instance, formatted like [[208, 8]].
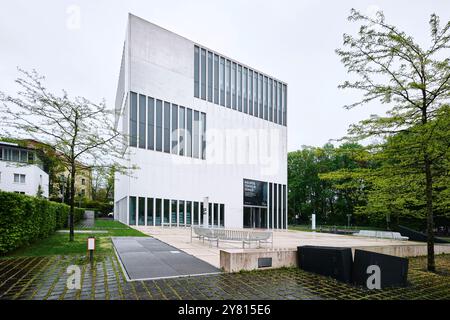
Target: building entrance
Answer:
[[255, 217]]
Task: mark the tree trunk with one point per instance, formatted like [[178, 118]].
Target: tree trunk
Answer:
[[72, 201], [429, 211]]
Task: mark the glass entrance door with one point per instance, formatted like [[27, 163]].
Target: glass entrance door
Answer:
[[255, 217]]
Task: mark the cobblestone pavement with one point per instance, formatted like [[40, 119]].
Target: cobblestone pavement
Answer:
[[45, 278]]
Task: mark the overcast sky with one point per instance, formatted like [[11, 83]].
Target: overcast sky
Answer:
[[291, 40]]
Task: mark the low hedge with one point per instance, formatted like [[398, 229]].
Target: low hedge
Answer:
[[25, 219]]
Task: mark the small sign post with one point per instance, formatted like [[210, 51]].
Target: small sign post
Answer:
[[313, 221], [91, 248]]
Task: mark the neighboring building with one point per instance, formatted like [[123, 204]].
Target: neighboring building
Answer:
[[198, 124], [83, 182], [21, 170]]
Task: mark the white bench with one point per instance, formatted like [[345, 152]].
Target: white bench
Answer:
[[380, 234], [244, 236]]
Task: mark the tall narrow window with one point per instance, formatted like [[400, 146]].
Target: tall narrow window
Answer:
[[270, 100], [167, 127], [166, 211], [188, 213], [181, 213], [275, 102], [202, 219], [203, 74], [260, 97], [216, 79], [203, 135], [266, 97], [150, 124], [149, 211], [158, 212], [133, 120], [284, 208], [270, 206], [210, 214], [210, 76], [182, 136], [244, 89], [239, 88], [195, 214], [132, 211], [216, 215], [233, 85], [196, 134], [222, 215], [279, 104], [174, 129], [142, 117], [196, 72], [141, 211], [284, 104], [173, 213], [275, 206], [189, 133], [222, 81], [279, 207], [227, 83], [250, 92], [255, 94], [158, 125]]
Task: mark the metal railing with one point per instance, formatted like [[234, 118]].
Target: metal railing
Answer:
[[221, 234]]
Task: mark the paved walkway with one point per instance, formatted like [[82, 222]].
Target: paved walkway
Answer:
[[41, 278], [148, 258], [181, 239]]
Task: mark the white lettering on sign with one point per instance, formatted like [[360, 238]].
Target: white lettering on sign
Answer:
[[374, 280], [91, 243]]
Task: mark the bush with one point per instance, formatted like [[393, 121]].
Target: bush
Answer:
[[25, 219]]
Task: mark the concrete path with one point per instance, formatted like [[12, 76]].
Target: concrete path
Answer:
[[180, 238], [149, 259]]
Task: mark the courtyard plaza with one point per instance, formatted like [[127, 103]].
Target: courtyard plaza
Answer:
[[181, 239]]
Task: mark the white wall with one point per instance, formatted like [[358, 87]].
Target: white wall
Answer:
[[33, 177], [161, 66]]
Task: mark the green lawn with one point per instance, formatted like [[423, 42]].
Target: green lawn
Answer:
[[59, 244]]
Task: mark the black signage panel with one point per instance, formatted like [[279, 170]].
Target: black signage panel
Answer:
[[255, 193]]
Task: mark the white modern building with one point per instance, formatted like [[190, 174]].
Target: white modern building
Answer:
[[21, 170], [199, 125]]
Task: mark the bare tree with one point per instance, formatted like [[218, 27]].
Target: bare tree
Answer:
[[78, 129]]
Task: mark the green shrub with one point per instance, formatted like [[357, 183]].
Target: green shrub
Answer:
[[25, 219]]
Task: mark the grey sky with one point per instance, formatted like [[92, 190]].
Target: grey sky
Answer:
[[292, 40]]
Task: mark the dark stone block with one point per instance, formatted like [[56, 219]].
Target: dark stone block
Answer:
[[393, 270], [328, 261]]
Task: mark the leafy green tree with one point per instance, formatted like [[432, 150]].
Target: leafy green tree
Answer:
[[398, 184], [321, 182], [391, 67]]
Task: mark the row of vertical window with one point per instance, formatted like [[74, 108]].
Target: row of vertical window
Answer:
[[229, 84], [277, 206], [163, 126], [175, 213]]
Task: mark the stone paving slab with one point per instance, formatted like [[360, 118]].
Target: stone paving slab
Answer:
[[149, 258], [43, 278]]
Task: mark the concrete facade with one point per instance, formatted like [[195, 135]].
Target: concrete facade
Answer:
[[160, 64]]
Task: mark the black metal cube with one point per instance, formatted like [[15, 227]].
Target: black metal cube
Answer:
[[393, 270], [328, 261]]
